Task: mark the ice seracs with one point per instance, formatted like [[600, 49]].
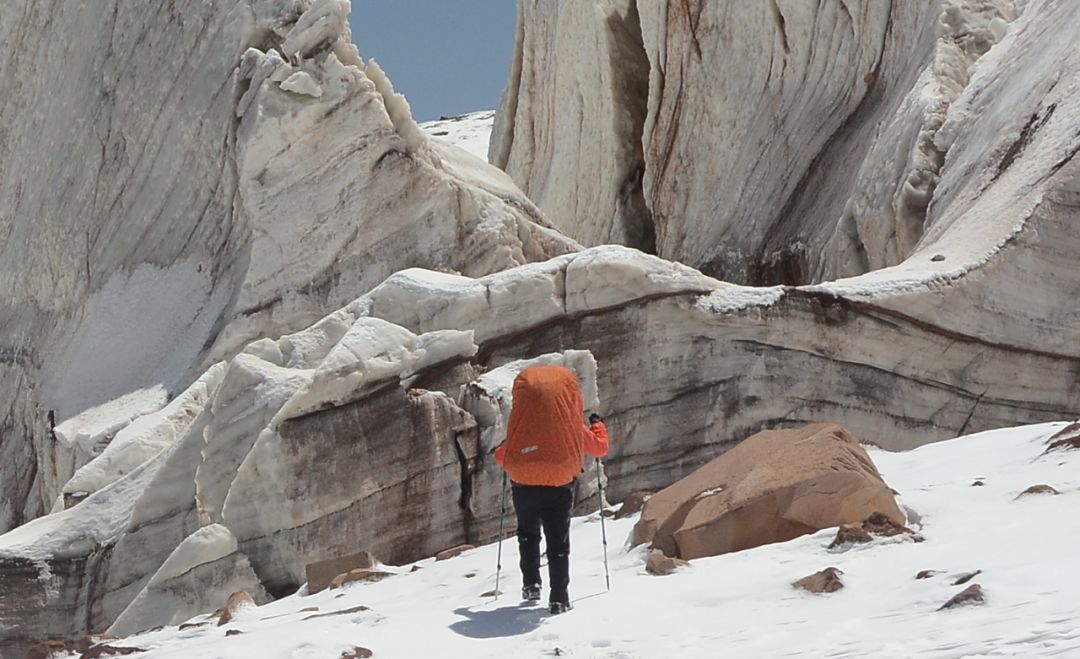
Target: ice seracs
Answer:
[[213, 176]]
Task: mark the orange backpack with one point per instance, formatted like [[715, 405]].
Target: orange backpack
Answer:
[[544, 436]]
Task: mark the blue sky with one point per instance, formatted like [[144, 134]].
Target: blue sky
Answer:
[[447, 56]]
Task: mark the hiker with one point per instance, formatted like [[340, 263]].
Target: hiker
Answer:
[[545, 442]]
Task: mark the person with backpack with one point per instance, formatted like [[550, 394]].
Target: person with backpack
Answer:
[[546, 441]]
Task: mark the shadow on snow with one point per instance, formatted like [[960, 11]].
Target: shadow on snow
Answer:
[[501, 622]]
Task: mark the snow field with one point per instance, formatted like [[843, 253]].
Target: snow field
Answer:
[[742, 604]]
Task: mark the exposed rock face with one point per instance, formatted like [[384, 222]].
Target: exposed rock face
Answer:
[[772, 487], [189, 181]]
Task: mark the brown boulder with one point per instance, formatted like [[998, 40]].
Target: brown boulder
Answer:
[[826, 581], [358, 575], [452, 552], [237, 601], [321, 573], [926, 574], [357, 653], [633, 504], [772, 487], [661, 565], [973, 594], [1038, 489], [47, 649]]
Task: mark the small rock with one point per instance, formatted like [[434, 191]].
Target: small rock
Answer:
[[90, 640], [926, 574], [233, 632], [973, 594], [416, 568], [237, 601], [104, 650], [358, 575], [1073, 429], [193, 625], [850, 535], [1066, 444], [470, 575], [874, 525], [661, 565], [878, 524], [633, 504], [320, 573], [452, 552], [962, 579], [47, 649], [978, 483], [308, 609], [1038, 489], [938, 257], [357, 653], [826, 581], [342, 612], [491, 593]]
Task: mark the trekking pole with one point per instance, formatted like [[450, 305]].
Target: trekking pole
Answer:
[[502, 516], [603, 530]]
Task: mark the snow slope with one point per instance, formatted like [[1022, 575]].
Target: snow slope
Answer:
[[470, 131], [738, 605]]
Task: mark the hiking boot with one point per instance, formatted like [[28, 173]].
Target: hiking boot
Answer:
[[559, 607], [531, 593]]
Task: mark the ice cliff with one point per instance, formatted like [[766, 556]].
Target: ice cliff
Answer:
[[177, 183]]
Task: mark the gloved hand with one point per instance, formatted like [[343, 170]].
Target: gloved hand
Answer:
[[594, 417]]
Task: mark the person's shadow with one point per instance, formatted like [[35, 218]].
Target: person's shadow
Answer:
[[494, 623]]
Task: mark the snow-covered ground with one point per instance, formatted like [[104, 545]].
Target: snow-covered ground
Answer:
[[468, 131], [742, 604]]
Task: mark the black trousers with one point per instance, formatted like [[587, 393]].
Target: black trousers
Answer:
[[548, 507]]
